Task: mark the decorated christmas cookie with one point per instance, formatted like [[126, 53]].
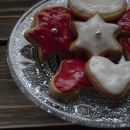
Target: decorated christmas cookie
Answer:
[[68, 81], [124, 22], [125, 42], [109, 9], [113, 80], [95, 37], [52, 36]]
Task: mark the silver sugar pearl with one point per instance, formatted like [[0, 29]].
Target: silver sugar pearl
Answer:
[[54, 30], [98, 33]]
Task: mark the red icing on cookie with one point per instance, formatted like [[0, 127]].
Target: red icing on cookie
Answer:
[[124, 22], [71, 76], [126, 43], [53, 42], [59, 10]]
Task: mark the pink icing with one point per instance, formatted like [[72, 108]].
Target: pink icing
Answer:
[[71, 76], [52, 43]]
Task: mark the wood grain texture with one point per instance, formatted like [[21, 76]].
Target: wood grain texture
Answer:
[[10, 12]]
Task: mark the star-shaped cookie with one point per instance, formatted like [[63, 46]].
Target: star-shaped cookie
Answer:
[[96, 37], [52, 36]]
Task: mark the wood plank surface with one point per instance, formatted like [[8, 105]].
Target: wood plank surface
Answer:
[[10, 12]]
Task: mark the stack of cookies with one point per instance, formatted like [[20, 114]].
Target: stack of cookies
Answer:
[[91, 37]]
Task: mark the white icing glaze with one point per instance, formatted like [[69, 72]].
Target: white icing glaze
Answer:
[[88, 40], [99, 6], [113, 78]]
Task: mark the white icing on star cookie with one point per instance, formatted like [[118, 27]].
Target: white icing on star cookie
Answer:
[[99, 6], [114, 78], [96, 36]]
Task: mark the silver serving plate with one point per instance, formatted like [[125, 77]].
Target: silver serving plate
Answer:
[[33, 77]]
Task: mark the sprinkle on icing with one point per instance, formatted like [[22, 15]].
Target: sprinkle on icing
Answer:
[[96, 36], [113, 78], [54, 30]]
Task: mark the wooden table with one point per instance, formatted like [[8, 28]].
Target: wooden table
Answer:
[[16, 111]]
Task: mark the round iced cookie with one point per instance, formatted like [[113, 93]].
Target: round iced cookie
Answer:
[[109, 9]]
